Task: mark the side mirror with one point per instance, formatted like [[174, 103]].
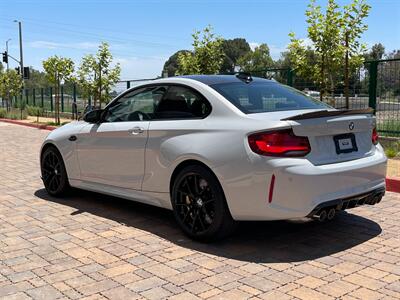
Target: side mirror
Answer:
[[93, 116]]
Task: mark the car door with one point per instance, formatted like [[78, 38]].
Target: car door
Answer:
[[178, 120], [112, 152]]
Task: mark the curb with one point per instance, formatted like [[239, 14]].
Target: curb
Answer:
[[44, 127], [392, 184]]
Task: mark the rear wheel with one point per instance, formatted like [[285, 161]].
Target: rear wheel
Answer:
[[54, 175], [199, 205]]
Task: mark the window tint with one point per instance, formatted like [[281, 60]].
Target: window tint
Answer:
[[258, 97], [182, 103], [135, 106]]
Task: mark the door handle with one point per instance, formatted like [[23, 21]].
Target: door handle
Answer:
[[136, 130]]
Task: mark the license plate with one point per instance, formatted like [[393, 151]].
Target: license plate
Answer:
[[345, 143]]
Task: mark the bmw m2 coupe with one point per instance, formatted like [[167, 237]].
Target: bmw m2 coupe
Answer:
[[220, 148]]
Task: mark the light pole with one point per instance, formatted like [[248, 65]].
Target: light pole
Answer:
[[7, 50], [21, 59]]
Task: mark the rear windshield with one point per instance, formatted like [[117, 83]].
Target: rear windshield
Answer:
[[259, 97]]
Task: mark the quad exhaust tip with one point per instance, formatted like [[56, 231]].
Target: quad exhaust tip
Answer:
[[325, 214], [321, 215], [331, 214]]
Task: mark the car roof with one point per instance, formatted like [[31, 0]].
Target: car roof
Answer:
[[215, 79]]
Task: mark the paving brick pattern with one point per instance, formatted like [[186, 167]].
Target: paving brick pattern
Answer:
[[98, 247]]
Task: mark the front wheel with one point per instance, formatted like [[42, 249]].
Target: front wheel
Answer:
[[199, 205], [54, 175]]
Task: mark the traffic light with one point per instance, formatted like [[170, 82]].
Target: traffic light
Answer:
[[26, 73], [5, 57], [17, 70]]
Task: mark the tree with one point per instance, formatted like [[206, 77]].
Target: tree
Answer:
[[377, 51], [206, 57], [352, 29], [324, 33], [171, 65], [233, 50], [257, 60], [58, 70], [10, 85], [96, 76], [37, 80], [335, 37]]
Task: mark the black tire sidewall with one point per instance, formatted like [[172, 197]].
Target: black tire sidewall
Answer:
[[221, 210], [64, 184]]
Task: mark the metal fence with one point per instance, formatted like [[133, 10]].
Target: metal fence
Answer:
[[70, 97], [376, 84]]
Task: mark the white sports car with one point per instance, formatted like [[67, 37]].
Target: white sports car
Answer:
[[220, 148]]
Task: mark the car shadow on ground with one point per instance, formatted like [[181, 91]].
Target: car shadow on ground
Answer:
[[262, 242]]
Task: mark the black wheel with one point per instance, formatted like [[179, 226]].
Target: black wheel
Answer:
[[199, 205], [54, 175]]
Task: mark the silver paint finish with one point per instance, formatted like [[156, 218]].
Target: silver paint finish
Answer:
[[108, 158]]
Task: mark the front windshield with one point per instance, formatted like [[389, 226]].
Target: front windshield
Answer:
[[259, 97]]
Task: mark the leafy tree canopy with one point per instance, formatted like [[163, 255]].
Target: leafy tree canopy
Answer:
[[171, 65], [10, 83], [96, 75], [256, 60], [335, 38], [206, 57], [377, 51], [58, 70], [233, 50]]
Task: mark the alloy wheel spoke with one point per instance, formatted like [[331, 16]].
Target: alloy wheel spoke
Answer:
[[208, 201], [186, 182], [187, 214], [196, 184], [195, 194], [194, 221], [201, 222]]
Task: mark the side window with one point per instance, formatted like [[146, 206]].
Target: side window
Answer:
[[182, 103], [135, 106]]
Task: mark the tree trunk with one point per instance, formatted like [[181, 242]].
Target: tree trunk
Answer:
[[322, 90], [100, 86], [55, 104], [346, 72], [57, 108], [95, 90]]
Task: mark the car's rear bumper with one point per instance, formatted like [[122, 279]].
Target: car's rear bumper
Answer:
[[299, 186], [370, 198]]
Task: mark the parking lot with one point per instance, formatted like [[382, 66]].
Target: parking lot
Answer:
[[100, 247]]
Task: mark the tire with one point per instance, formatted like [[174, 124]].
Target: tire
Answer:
[[54, 174], [199, 205]]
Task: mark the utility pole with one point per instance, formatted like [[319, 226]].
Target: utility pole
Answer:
[[7, 50], [21, 57]]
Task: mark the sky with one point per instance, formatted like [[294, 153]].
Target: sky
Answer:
[[143, 34]]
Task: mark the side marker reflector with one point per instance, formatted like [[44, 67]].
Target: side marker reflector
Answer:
[[271, 188]]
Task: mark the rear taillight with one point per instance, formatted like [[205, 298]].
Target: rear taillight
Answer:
[[279, 143], [375, 136]]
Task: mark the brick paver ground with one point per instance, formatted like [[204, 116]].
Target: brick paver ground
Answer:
[[98, 247]]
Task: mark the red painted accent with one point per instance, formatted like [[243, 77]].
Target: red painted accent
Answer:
[[375, 136], [271, 188], [393, 185], [45, 127]]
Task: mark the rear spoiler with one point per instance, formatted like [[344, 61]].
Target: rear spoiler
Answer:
[[329, 113]]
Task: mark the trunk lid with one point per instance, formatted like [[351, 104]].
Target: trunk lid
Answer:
[[334, 136], [338, 137]]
